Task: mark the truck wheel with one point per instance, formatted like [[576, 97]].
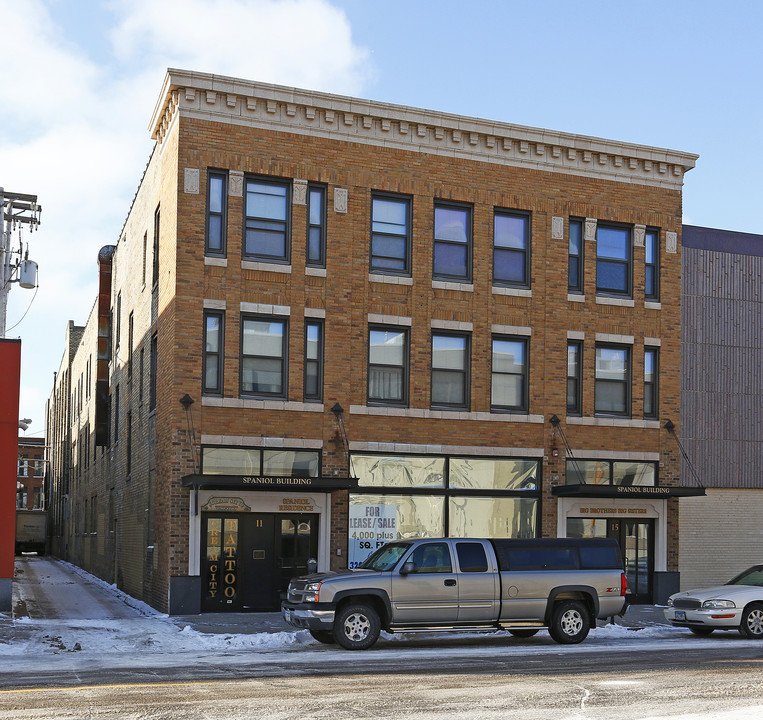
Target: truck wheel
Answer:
[[752, 622], [523, 633], [357, 626], [323, 636], [569, 622]]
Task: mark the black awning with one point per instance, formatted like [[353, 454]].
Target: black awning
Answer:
[[626, 491], [268, 482]]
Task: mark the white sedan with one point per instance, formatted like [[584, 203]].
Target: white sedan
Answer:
[[738, 605]]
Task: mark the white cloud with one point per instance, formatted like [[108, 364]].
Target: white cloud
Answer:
[[73, 126]]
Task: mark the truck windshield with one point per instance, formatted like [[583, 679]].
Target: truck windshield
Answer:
[[385, 558]]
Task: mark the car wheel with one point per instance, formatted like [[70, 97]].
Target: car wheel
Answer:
[[701, 631], [357, 626], [323, 636], [752, 622], [569, 622], [523, 633]]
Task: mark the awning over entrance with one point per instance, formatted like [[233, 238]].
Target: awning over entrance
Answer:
[[268, 482], [626, 491]]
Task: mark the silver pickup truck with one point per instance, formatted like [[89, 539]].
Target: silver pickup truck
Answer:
[[449, 584]]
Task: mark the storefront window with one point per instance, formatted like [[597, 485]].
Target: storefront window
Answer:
[[606, 472], [397, 471], [586, 528], [587, 472], [230, 461], [633, 473], [493, 474], [508, 517], [290, 463]]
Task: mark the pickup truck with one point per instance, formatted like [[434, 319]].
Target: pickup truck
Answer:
[[452, 584]]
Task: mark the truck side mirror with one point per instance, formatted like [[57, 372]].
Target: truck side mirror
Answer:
[[407, 568]]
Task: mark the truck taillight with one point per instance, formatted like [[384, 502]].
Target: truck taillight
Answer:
[[623, 584]]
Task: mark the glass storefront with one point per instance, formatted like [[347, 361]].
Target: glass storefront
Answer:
[[435, 496], [611, 472], [252, 461]]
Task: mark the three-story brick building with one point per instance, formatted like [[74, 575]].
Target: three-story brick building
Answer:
[[329, 322]]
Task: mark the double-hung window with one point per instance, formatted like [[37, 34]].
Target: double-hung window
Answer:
[[263, 356], [575, 257], [574, 378], [387, 365], [651, 370], [450, 371], [452, 256], [390, 235], [652, 267], [216, 212], [511, 249], [316, 226], [212, 371], [267, 221], [313, 380], [509, 376], [613, 380], [614, 270]]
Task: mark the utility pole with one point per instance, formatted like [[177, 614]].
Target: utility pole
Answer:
[[16, 211]]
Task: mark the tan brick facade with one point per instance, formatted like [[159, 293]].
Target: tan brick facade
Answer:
[[153, 521]]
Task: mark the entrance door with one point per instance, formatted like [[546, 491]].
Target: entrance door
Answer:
[[296, 543], [636, 538]]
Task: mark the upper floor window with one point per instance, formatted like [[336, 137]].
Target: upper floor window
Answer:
[[450, 371], [613, 380], [390, 234], [155, 270], [613, 260], [651, 369], [387, 365], [154, 360], [316, 226], [652, 269], [574, 378], [509, 376], [267, 221], [313, 381], [575, 257], [216, 212], [511, 249], [263, 356], [452, 256], [212, 361]]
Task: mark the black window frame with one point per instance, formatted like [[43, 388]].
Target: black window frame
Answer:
[[466, 275], [654, 235], [406, 366], [155, 259], [130, 341], [576, 379], [222, 214], [320, 261], [627, 412], [154, 362], [576, 259], [627, 292], [406, 270], [501, 282], [318, 363], [285, 258], [283, 320], [466, 372], [524, 340], [654, 384], [219, 354]]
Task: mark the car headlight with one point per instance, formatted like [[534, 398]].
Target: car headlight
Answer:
[[312, 591], [670, 602], [718, 604]]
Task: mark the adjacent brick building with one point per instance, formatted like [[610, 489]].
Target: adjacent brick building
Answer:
[[31, 474], [329, 322]]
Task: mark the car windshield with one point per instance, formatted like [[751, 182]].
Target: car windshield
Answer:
[[753, 576], [385, 558]]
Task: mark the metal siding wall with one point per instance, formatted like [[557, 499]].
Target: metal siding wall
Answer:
[[722, 368]]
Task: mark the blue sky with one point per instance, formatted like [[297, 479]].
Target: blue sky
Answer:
[[74, 109]]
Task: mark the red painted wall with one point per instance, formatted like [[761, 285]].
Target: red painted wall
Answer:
[[10, 378]]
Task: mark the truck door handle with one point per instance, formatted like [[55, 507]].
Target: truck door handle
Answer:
[[450, 582]]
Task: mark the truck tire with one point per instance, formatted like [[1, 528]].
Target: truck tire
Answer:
[[522, 633], [569, 622], [752, 622], [323, 636], [357, 626]]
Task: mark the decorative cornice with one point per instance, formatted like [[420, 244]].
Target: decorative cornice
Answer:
[[272, 107]]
